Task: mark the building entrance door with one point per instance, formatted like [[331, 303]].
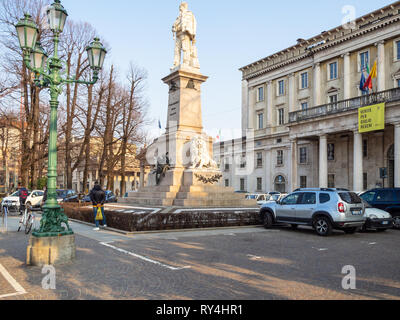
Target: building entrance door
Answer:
[[390, 157], [280, 184]]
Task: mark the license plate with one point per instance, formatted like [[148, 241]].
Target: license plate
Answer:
[[356, 212], [385, 222]]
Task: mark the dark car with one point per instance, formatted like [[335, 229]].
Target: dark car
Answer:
[[387, 200], [67, 196], [110, 197]]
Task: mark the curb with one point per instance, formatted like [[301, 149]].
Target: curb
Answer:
[[128, 233]]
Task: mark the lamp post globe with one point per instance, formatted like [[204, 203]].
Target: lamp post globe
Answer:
[[27, 32], [38, 57], [56, 17], [96, 54]]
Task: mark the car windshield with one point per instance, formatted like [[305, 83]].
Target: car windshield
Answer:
[[252, 197], [275, 197], [366, 204], [350, 197], [15, 194], [61, 193]]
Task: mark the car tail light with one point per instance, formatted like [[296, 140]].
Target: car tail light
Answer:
[[341, 207]]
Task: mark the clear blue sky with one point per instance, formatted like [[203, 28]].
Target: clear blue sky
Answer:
[[231, 34]]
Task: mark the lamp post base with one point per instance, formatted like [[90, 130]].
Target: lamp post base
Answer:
[[50, 250]]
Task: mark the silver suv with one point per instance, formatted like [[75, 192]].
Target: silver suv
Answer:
[[323, 209]]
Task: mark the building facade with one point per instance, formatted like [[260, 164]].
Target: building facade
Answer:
[[302, 107]]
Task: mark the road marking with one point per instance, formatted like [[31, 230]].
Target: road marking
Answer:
[[253, 257], [107, 244], [17, 287], [320, 249]]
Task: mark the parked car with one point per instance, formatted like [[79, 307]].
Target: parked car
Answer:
[[323, 209], [385, 199], [67, 196], [377, 219], [277, 197], [12, 201], [110, 197], [260, 198], [35, 198]]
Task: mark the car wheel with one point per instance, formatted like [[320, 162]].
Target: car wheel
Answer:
[[363, 228], [323, 226], [396, 223], [350, 230], [267, 221], [294, 226]]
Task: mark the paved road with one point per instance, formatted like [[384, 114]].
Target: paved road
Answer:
[[238, 264]]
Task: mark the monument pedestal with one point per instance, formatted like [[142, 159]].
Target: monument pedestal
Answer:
[[50, 250], [193, 179]]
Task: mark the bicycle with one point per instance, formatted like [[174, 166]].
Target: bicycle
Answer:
[[27, 220]]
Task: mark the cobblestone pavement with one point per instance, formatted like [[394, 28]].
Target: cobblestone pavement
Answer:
[[237, 264]]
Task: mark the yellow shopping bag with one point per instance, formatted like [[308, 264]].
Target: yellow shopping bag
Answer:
[[99, 215]]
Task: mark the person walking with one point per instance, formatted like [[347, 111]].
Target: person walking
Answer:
[[98, 198], [23, 195]]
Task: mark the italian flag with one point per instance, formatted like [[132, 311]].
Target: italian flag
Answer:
[[372, 75]]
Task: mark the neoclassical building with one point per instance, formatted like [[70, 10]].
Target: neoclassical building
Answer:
[[302, 106]]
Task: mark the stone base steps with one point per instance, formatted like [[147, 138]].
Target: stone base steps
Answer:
[[189, 196]]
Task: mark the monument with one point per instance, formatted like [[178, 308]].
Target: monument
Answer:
[[185, 174]]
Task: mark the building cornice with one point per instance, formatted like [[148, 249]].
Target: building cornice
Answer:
[[323, 42]]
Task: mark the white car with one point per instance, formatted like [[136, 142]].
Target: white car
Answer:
[[35, 198], [12, 201], [377, 219]]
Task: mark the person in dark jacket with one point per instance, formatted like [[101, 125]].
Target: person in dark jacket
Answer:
[[23, 195], [98, 198]]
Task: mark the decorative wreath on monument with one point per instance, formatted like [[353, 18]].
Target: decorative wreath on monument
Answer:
[[208, 180]]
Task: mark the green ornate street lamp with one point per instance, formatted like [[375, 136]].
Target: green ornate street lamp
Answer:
[[48, 75]]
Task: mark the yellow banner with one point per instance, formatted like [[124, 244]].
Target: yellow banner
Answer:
[[371, 118]]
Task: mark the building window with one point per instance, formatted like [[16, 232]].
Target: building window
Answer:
[[242, 185], [365, 181], [333, 71], [304, 80], [398, 83], [364, 60], [260, 94], [331, 152], [303, 182], [304, 106], [259, 184], [243, 162], [227, 183], [303, 155], [365, 148], [261, 121], [398, 49], [281, 88], [280, 184], [279, 159], [331, 181], [333, 99], [259, 160], [281, 117]]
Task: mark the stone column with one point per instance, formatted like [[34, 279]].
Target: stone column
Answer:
[[358, 169], [141, 181], [245, 105], [251, 113], [317, 84], [293, 174], [381, 66], [270, 107], [292, 93], [397, 155], [323, 161], [268, 167], [346, 74]]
